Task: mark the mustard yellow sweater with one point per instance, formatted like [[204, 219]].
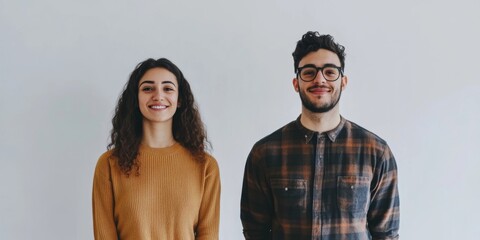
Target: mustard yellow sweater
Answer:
[[175, 197]]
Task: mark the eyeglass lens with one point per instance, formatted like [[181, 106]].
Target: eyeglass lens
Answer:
[[329, 73]]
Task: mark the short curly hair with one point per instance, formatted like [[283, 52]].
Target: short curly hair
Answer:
[[311, 42]]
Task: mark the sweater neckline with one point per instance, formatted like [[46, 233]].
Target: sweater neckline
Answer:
[[147, 150]]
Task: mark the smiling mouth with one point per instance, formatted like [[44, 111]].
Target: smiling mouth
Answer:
[[318, 89], [158, 107]]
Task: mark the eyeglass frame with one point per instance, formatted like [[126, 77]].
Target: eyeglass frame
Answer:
[[319, 69]]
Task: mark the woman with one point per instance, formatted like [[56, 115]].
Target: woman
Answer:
[[156, 181]]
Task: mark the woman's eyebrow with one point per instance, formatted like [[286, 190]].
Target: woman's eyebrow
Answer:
[[146, 81], [153, 82], [164, 82]]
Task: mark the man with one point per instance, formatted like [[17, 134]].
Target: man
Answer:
[[320, 176]]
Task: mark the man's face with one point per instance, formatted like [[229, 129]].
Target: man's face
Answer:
[[320, 95]]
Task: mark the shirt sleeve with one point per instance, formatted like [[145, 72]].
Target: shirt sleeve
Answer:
[[104, 227], [384, 212], [209, 214], [256, 201]]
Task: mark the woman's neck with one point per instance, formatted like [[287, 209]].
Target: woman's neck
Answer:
[[157, 135]]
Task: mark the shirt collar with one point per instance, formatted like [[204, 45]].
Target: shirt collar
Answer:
[[332, 134]]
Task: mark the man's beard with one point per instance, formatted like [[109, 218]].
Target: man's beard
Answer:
[[319, 109]]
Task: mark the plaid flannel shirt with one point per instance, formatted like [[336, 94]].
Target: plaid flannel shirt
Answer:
[[300, 184]]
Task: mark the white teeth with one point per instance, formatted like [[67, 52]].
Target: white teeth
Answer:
[[158, 107]]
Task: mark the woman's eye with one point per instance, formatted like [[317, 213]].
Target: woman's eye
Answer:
[[168, 89], [147, 89]]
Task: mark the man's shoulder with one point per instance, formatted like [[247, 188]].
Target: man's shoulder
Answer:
[[276, 136], [360, 132]]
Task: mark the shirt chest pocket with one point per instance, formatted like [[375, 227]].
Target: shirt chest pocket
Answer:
[[353, 194], [289, 196]]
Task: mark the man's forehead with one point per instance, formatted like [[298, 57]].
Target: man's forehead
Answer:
[[320, 58]]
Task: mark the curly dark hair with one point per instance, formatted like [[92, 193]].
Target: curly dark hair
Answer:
[[311, 42], [126, 134]]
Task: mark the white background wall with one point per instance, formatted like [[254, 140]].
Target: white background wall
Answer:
[[413, 76]]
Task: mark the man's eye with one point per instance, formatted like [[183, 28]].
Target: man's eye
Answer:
[[330, 72], [308, 73]]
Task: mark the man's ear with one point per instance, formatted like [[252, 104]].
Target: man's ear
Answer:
[[295, 84], [344, 81]]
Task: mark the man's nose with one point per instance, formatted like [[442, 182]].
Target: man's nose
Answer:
[[320, 78]]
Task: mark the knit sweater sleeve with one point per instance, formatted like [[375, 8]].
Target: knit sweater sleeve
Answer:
[[102, 201], [209, 213]]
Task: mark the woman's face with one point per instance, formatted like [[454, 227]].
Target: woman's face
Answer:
[[158, 96]]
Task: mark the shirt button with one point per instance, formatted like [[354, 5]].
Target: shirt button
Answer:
[[286, 189]]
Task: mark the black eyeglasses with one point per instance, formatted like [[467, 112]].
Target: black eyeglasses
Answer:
[[309, 72]]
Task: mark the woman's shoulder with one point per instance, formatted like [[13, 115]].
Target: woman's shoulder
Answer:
[[210, 158], [211, 163], [106, 156], [104, 163]]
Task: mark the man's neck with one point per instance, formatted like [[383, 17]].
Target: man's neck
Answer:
[[320, 122]]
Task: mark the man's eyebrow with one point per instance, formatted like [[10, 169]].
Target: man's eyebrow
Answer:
[[324, 65], [330, 65]]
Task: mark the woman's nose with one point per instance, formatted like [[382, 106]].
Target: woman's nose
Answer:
[[157, 96]]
